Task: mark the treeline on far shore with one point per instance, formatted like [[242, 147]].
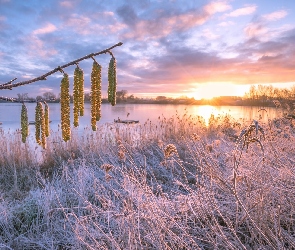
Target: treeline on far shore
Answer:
[[260, 95]]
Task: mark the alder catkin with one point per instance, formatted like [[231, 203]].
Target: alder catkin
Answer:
[[38, 123], [76, 96], [98, 93], [24, 123], [81, 92], [95, 94], [65, 108], [46, 116], [42, 123], [112, 79]]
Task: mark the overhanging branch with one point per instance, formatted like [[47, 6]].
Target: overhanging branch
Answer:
[[10, 85]]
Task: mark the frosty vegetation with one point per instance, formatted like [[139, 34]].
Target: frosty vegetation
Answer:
[[174, 184]]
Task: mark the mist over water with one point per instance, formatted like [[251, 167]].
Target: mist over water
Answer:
[[10, 113]]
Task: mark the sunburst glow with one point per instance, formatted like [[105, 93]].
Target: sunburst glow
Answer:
[[210, 90]]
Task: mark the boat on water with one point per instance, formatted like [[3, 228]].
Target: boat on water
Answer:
[[126, 121]]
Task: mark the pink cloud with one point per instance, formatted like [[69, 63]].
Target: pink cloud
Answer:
[[255, 29], [274, 16], [48, 28], [209, 34], [67, 4], [37, 47], [215, 7], [85, 25], [163, 26], [79, 23], [263, 32], [225, 24], [243, 11]]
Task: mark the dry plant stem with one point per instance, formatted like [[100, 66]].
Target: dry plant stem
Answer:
[[141, 205], [9, 84], [252, 221]]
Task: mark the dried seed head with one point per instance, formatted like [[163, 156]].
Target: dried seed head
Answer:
[[169, 150], [121, 155], [209, 147], [195, 137], [107, 167]]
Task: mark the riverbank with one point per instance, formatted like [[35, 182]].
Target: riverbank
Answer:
[[179, 184]]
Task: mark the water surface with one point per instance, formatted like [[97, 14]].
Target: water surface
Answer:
[[10, 113]]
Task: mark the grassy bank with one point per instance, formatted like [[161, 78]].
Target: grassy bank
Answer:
[[177, 184]]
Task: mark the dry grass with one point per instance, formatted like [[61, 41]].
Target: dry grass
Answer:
[[174, 184]]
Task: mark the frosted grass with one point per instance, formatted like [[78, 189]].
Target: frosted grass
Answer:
[[120, 188]]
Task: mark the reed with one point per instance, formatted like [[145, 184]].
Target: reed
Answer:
[[113, 188]]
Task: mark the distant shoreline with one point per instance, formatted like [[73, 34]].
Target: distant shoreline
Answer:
[[218, 101]]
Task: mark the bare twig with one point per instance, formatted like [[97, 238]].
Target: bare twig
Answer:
[[8, 82]]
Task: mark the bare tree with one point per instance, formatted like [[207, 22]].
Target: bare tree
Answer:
[[49, 96]]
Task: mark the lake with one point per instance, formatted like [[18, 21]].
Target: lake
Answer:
[[10, 113]]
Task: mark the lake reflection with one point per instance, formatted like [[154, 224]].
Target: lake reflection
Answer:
[[10, 113]]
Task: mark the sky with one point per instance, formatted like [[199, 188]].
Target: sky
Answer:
[[176, 48]]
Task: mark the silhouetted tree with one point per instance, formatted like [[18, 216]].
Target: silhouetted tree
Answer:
[[49, 96], [121, 95]]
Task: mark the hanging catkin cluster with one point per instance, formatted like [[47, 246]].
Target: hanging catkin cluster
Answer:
[[40, 125], [46, 119], [112, 78], [81, 92], [78, 95], [95, 94], [24, 123], [65, 108]]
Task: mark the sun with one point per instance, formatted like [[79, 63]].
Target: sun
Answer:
[[216, 89]]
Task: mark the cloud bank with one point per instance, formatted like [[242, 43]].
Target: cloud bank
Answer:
[[169, 46]]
